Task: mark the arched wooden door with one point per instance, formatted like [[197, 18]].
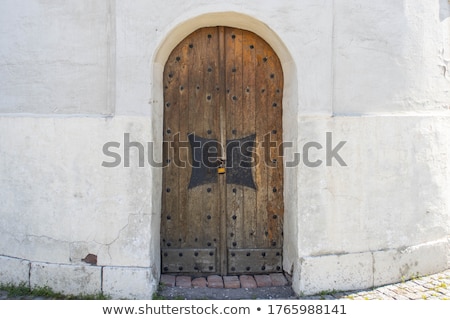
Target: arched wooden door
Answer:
[[222, 112]]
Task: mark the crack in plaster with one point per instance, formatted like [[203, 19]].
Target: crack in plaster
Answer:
[[445, 65], [47, 237], [120, 231]]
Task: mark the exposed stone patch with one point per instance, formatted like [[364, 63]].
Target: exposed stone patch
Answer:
[[91, 259]]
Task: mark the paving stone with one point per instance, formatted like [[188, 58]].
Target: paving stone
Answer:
[[441, 290], [183, 281], [428, 285], [435, 283], [420, 282], [370, 296], [417, 291], [427, 294], [401, 297], [278, 280], [434, 278], [247, 281], [168, 280], [382, 296], [399, 291], [413, 287], [215, 282], [385, 291], [362, 293], [231, 282], [263, 280], [199, 283], [412, 295], [358, 298]]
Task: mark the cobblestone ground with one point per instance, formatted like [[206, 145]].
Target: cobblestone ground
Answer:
[[436, 286]]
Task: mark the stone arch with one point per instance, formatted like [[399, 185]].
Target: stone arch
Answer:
[[290, 106]]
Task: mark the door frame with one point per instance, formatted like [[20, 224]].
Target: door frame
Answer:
[[289, 123]]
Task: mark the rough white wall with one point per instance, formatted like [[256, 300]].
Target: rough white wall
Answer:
[[391, 56], [65, 66], [55, 58], [59, 203], [392, 193], [351, 56]]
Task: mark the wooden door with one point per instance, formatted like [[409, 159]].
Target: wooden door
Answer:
[[222, 108]]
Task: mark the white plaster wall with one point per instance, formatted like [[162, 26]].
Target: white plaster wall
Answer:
[[64, 67], [392, 193], [59, 203], [55, 57], [390, 200], [391, 56]]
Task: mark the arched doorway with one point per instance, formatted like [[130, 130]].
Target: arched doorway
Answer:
[[222, 192]]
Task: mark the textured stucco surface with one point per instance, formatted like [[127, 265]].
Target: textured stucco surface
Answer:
[[78, 75]]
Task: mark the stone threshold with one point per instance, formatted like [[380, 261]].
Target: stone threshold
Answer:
[[226, 282]]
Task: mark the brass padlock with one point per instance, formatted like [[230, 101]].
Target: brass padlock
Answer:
[[221, 168]]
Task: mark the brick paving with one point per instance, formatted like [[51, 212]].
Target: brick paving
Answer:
[[229, 282], [423, 288], [214, 282], [263, 280]]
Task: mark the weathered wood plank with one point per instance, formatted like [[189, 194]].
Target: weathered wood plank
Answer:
[[249, 41], [210, 214], [275, 169], [233, 78], [170, 209], [222, 177], [196, 238], [262, 99], [184, 159]]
